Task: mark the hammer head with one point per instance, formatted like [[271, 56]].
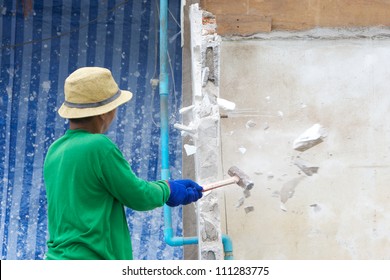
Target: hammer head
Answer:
[[244, 180]]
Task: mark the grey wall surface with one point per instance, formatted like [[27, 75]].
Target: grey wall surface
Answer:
[[281, 87]]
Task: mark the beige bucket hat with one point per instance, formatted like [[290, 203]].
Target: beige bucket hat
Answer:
[[91, 91]]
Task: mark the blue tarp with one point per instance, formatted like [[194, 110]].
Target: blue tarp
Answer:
[[39, 49]]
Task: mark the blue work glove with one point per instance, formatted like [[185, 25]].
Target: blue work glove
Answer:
[[183, 192]]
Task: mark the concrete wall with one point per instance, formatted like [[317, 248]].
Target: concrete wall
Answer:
[[282, 85]]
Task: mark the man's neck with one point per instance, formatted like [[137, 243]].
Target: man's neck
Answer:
[[92, 125]]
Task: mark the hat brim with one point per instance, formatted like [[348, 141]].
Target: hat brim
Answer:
[[77, 113]]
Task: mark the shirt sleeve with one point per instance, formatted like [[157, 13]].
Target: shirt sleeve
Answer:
[[135, 193]]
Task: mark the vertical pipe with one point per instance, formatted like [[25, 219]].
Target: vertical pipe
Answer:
[[163, 87], [227, 247], [164, 130], [164, 133]]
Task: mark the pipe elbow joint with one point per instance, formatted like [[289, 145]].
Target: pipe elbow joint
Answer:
[[177, 240], [227, 246]]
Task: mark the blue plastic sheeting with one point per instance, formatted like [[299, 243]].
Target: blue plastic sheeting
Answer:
[[38, 51]]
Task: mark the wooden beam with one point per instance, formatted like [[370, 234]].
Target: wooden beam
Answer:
[[296, 14], [242, 24]]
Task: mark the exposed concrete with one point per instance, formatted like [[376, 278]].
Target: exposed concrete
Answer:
[[284, 83], [205, 85], [200, 128], [311, 137]]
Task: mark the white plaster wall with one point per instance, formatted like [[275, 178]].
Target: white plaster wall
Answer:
[[281, 87]]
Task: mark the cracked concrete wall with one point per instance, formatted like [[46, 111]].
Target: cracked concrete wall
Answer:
[[200, 128], [329, 199]]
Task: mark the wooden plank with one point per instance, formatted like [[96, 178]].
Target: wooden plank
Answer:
[[242, 24], [225, 7], [298, 14]]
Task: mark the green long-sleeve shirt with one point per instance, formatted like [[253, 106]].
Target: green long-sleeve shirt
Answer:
[[88, 182]]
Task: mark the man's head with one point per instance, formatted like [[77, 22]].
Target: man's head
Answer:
[[91, 91]]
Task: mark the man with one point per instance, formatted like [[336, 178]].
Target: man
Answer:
[[88, 181]]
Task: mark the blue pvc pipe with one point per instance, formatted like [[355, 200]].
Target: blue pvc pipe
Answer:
[[227, 247], [163, 88], [169, 238]]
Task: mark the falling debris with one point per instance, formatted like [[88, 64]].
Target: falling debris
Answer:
[[249, 209], [242, 150], [306, 167], [270, 176], [316, 207], [258, 172], [283, 207], [311, 137], [190, 149], [288, 189], [250, 124], [247, 193], [190, 128], [186, 109], [226, 104], [240, 202]]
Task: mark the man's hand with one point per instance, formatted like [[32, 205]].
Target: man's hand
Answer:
[[183, 192]]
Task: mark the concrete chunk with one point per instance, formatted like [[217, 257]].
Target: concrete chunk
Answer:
[[306, 167], [311, 137]]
